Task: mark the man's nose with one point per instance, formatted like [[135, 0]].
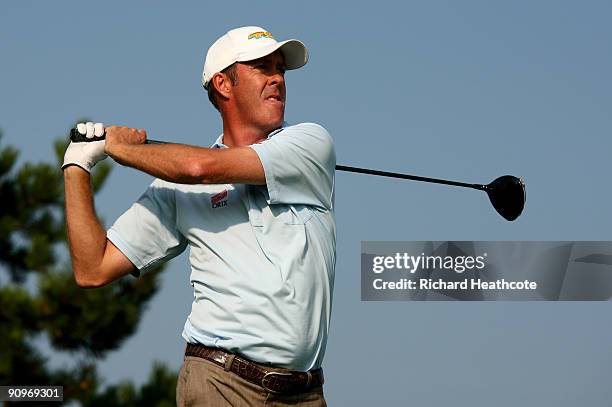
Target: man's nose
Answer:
[[277, 77]]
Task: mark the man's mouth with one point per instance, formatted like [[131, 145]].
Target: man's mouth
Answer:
[[274, 99]]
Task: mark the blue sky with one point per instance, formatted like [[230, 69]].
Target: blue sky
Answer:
[[465, 90]]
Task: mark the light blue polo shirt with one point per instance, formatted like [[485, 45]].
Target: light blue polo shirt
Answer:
[[262, 257]]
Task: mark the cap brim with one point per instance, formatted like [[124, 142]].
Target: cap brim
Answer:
[[294, 52]]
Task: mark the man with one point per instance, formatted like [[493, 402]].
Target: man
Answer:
[[256, 211]]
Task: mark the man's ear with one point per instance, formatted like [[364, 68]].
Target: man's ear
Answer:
[[222, 84]]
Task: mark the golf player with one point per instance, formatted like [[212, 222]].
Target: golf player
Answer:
[[256, 211]]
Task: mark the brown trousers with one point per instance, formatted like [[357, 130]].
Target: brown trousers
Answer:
[[202, 383]]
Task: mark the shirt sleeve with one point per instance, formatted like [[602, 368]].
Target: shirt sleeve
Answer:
[[147, 232], [299, 164]]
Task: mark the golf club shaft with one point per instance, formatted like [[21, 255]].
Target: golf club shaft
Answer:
[[388, 174], [410, 177]]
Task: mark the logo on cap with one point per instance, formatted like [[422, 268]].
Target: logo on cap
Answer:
[[260, 34]]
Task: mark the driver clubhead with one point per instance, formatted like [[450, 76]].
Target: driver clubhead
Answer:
[[507, 194]]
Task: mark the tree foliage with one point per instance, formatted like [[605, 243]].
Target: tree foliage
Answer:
[[39, 297]]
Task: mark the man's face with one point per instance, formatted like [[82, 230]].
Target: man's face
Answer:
[[260, 91]]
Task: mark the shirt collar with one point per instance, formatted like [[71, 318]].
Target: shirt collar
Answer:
[[219, 142]]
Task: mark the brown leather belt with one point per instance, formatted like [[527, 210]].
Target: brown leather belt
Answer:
[[273, 380]]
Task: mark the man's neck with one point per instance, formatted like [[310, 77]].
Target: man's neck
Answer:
[[238, 136]]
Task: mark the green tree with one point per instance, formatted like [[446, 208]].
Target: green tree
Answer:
[[38, 294]]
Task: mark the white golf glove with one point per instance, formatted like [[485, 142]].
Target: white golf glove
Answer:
[[87, 153]]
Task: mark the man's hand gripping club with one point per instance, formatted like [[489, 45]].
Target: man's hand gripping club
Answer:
[[91, 143], [89, 149]]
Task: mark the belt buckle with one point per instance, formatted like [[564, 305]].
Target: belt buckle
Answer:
[[263, 381]]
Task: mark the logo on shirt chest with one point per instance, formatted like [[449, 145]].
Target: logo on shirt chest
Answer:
[[219, 200]]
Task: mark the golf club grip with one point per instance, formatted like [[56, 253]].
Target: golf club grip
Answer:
[[77, 137]]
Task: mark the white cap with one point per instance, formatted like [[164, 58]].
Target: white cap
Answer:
[[249, 43]]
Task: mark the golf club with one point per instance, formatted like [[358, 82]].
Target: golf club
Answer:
[[506, 193]]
